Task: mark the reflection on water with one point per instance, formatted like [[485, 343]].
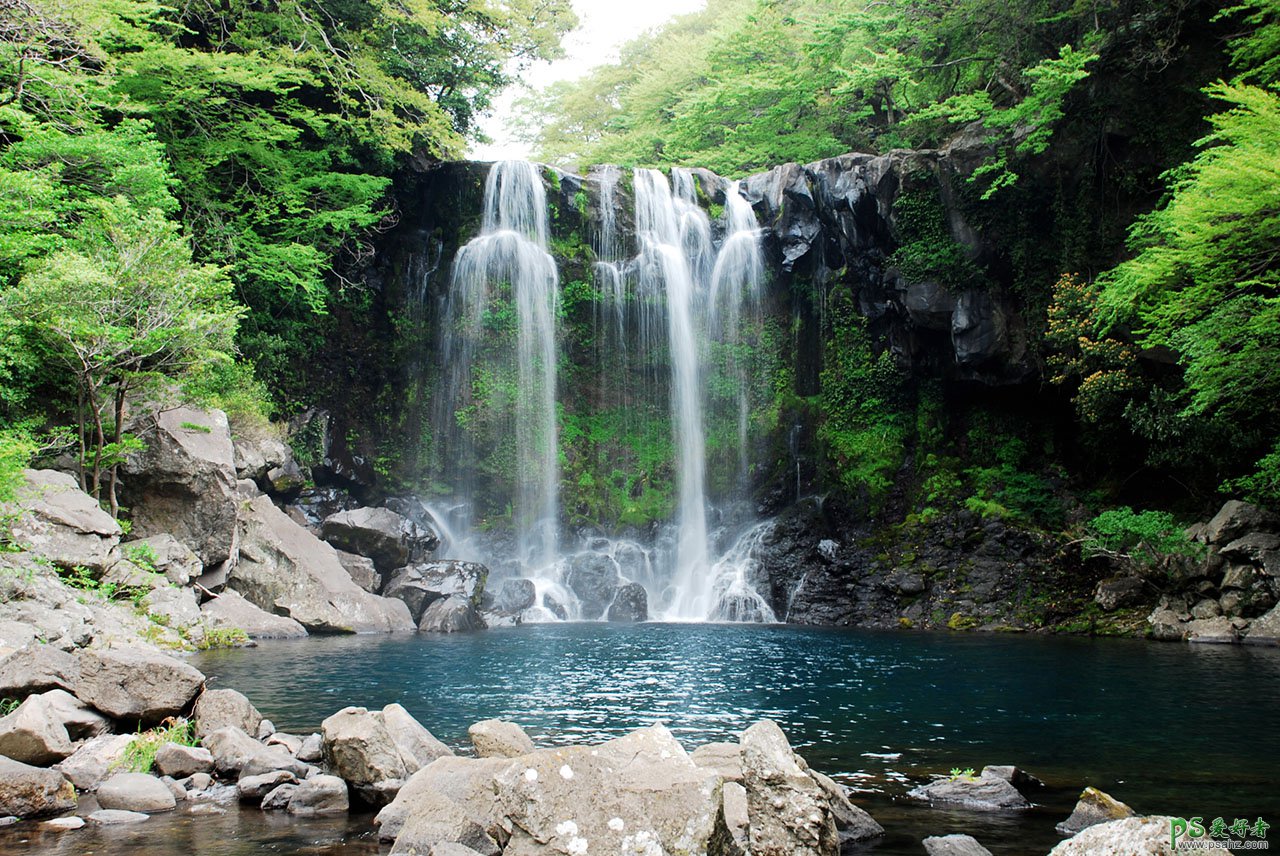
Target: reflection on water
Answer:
[[1175, 729]]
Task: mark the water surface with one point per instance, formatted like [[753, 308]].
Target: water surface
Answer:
[[1168, 728]]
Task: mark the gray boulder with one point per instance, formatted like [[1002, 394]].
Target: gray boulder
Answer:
[[33, 735], [362, 571], [852, 823], [80, 720], [61, 523], [1016, 776], [252, 789], [183, 483], [1218, 630], [291, 742], [468, 782], [283, 568], [1265, 630], [320, 794], [36, 668], [1094, 807], [732, 833], [985, 792], [515, 596], [229, 610], [63, 824], [451, 615], [312, 748], [173, 607], [441, 822], [217, 709], [175, 560], [724, 758], [494, 738], [94, 759], [375, 751], [389, 539], [135, 792], [954, 845], [423, 584], [1236, 519], [594, 578], [630, 604], [1132, 836], [255, 456], [178, 761], [135, 684], [1120, 591], [232, 749], [789, 810], [278, 799], [27, 791]]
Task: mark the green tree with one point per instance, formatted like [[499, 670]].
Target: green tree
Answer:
[[120, 303]]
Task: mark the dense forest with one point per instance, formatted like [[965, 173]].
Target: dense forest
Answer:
[[191, 193]]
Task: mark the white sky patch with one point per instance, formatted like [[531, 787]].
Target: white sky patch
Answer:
[[603, 27]]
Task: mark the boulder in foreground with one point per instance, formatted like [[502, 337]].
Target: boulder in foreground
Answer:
[[27, 791]]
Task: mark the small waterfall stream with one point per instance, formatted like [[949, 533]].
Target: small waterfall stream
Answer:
[[672, 323]]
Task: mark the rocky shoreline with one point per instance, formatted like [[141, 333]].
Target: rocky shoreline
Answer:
[[641, 794]]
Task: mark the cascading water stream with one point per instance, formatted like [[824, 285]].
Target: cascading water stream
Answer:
[[508, 264]]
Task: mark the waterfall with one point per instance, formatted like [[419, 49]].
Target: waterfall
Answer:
[[508, 264], [673, 330]]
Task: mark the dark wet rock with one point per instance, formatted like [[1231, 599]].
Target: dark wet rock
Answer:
[[278, 799], [389, 539], [852, 823], [630, 604], [1236, 519], [451, 615], [1120, 591], [421, 585], [594, 578], [1016, 776], [515, 596], [1094, 807], [985, 792]]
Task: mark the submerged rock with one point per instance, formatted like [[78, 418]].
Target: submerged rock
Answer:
[[985, 792], [954, 845]]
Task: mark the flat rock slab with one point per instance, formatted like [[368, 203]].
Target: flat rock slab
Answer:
[[63, 824], [36, 669], [116, 817], [230, 610], [986, 792]]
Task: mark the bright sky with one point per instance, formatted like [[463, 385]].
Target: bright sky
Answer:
[[603, 27]]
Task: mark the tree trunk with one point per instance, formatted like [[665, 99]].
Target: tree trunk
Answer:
[[99, 440], [113, 476], [80, 436]]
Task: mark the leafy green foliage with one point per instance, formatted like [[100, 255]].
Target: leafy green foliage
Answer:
[[863, 426], [140, 755], [16, 450], [1141, 537], [222, 637]]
